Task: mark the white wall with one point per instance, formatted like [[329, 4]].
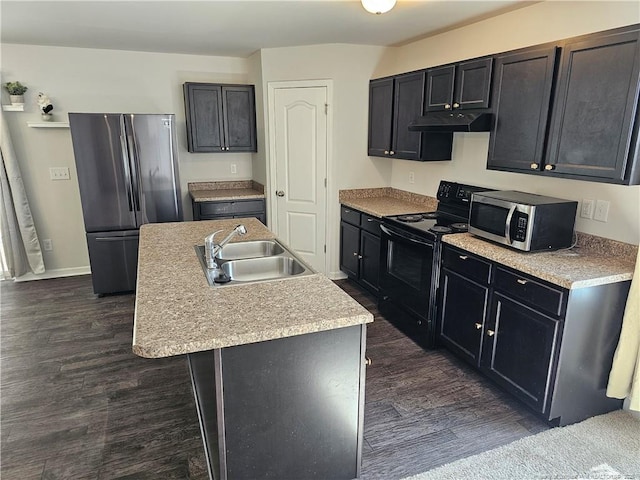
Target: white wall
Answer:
[[539, 23], [89, 80], [350, 67]]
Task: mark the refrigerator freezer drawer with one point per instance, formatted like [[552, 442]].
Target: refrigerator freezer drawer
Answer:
[[114, 261]]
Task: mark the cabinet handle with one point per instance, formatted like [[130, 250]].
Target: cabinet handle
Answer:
[[549, 167], [456, 105], [447, 106], [360, 257], [369, 219], [386, 152], [463, 257], [355, 254], [478, 326], [392, 152], [522, 281], [533, 166], [491, 333], [367, 361], [347, 211]]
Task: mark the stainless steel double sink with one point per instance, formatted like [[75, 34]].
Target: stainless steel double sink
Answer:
[[252, 261]]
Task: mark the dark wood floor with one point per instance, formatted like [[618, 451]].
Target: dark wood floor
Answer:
[[77, 404]]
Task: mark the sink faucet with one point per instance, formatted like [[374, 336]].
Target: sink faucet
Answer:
[[211, 248]]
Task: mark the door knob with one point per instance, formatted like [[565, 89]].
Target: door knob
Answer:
[[280, 193]]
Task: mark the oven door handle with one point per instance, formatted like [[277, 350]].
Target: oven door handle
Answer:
[[507, 224], [393, 233]]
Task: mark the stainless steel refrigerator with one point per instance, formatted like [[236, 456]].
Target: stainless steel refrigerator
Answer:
[[128, 175]]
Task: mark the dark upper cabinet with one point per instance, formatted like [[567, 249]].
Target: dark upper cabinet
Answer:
[[220, 118], [521, 91], [463, 86], [592, 135], [395, 102]]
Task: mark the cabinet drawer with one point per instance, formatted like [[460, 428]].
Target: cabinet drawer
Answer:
[[538, 295], [466, 264], [370, 224], [226, 208], [350, 215]]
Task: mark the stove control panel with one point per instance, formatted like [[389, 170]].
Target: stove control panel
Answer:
[[457, 192]]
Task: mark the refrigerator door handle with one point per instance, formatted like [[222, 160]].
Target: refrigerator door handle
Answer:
[[127, 172], [134, 171]]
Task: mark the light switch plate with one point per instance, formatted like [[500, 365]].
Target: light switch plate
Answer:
[[601, 212], [59, 173]]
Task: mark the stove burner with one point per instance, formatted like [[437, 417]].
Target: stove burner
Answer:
[[430, 215], [409, 218], [440, 229], [459, 226]]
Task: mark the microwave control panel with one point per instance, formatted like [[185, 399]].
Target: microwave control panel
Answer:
[[520, 226]]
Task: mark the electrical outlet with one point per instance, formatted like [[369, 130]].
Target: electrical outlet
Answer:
[[233, 168], [59, 173], [587, 208], [47, 245], [601, 212], [412, 177]]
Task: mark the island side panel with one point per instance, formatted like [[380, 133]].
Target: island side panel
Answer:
[[293, 407]]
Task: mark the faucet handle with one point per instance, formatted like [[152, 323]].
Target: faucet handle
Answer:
[[209, 238]]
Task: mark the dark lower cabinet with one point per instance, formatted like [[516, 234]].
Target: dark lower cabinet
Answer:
[[360, 247], [550, 347], [223, 209], [282, 409], [519, 350]]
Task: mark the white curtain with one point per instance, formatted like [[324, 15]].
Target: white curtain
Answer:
[[21, 251], [624, 379]]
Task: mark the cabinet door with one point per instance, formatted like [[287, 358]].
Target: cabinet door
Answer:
[[203, 103], [473, 84], [439, 88], [239, 118], [596, 101], [349, 249], [370, 262], [380, 116], [519, 350], [462, 315], [521, 114], [408, 98]]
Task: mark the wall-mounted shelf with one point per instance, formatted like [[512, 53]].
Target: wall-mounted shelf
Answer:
[[48, 124], [13, 108]]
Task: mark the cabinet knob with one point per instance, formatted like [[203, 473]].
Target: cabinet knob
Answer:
[[456, 105], [491, 333], [463, 257], [280, 193], [478, 326], [386, 152], [522, 281], [549, 167], [359, 257], [533, 166], [367, 361], [447, 106], [355, 254], [391, 152]]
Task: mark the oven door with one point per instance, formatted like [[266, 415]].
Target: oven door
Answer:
[[406, 270]]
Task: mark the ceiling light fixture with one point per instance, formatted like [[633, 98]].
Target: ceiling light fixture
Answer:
[[378, 6]]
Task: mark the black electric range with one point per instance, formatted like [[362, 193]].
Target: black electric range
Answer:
[[410, 260]]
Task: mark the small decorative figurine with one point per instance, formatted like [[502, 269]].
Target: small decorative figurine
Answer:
[[45, 106]]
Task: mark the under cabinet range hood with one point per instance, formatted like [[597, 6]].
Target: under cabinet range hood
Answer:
[[452, 122]]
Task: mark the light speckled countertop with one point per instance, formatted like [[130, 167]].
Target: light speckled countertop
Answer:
[[216, 191], [594, 261], [178, 312], [381, 202]]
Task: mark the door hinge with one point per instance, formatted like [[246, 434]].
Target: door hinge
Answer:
[[326, 109], [325, 249]]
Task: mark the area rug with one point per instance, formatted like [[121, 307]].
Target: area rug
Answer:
[[602, 447]]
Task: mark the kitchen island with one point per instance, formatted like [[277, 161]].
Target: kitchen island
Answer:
[[277, 366]]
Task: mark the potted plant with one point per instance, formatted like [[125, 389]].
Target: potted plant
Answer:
[[16, 92]]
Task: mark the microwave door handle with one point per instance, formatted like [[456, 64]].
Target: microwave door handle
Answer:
[[507, 224], [392, 233]]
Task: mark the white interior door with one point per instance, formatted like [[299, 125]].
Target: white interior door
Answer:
[[299, 136]]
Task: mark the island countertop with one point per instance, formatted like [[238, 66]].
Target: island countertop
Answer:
[[177, 312]]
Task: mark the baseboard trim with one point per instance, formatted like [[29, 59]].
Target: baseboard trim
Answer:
[[55, 273], [339, 275]]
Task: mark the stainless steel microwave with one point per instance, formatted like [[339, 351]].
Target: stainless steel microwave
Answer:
[[523, 221]]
